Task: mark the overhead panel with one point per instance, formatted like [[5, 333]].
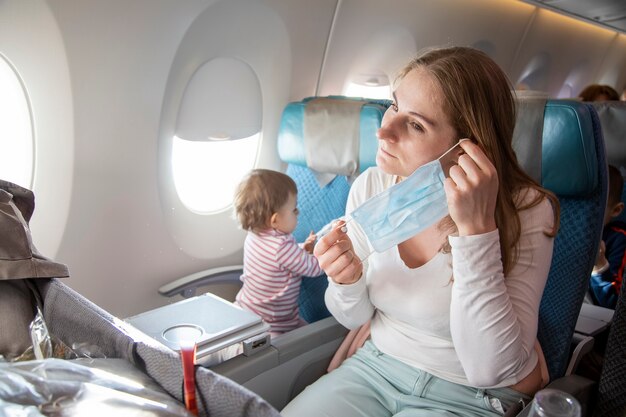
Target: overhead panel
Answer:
[[608, 13]]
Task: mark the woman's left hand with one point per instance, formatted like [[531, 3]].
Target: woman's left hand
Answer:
[[471, 191]]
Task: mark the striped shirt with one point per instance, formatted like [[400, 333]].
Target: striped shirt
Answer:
[[273, 266]]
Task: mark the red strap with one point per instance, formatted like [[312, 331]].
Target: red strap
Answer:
[[188, 356]]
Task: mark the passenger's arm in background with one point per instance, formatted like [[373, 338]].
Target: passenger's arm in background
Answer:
[[608, 274]]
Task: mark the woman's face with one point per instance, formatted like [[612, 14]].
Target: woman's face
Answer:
[[415, 129]]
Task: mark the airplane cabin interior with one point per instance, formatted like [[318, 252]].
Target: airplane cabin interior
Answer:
[[127, 125]]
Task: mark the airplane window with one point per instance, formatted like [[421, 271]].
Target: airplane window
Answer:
[[382, 53], [218, 133], [358, 90], [16, 131], [206, 173], [370, 86]]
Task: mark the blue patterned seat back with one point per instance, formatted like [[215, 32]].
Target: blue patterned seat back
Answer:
[[574, 168], [317, 206], [612, 116], [611, 398], [320, 205]]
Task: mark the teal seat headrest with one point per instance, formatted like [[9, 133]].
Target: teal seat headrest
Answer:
[[569, 161], [291, 147]]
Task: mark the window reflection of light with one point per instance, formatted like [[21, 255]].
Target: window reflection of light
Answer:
[[16, 134], [368, 91], [206, 173]]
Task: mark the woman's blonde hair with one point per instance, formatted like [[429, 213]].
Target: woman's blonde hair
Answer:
[[480, 106], [261, 194]]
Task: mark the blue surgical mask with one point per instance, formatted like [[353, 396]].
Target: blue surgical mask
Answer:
[[408, 207]]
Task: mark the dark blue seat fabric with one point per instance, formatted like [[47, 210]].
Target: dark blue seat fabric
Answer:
[[611, 399], [317, 206], [574, 168]]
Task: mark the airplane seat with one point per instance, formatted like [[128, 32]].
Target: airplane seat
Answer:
[[612, 116], [573, 166], [313, 133], [611, 398], [87, 357]]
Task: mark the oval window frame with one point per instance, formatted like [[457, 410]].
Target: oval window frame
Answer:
[[24, 159], [218, 134]]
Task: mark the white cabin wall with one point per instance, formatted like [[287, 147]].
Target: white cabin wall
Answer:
[[613, 68], [308, 23], [516, 32], [430, 22], [120, 54], [569, 44]]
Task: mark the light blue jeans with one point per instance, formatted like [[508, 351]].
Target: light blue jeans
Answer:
[[371, 383]]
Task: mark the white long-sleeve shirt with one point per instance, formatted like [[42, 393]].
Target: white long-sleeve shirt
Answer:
[[477, 329], [273, 266]]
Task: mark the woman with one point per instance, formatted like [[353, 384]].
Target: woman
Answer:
[[454, 309]]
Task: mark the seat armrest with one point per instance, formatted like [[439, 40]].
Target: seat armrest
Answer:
[[283, 348], [583, 389], [187, 286], [303, 339], [293, 361], [593, 319], [597, 312], [584, 345]]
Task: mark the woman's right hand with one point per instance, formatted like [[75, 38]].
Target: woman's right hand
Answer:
[[336, 256]]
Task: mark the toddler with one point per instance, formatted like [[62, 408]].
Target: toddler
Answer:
[[273, 263]]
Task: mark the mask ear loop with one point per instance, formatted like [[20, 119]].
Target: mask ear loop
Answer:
[[454, 146], [450, 157]]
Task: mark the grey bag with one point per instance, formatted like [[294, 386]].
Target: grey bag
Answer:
[[19, 262], [19, 258]]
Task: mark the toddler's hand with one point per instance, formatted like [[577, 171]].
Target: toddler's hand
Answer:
[[309, 243]]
